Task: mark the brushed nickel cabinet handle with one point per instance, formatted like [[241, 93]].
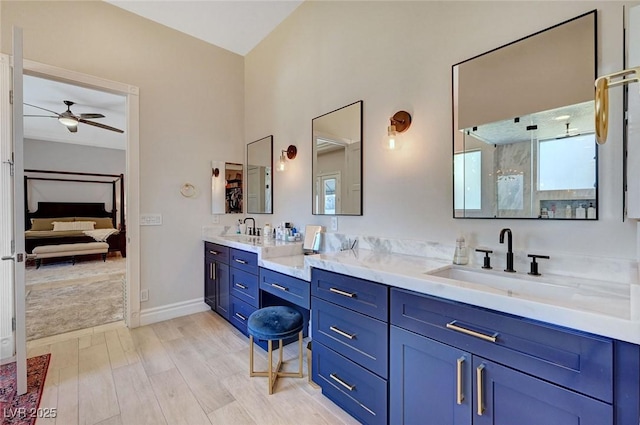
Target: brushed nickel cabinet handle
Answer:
[[214, 252], [343, 333], [460, 390], [241, 286], [457, 328], [280, 287], [343, 293], [480, 388], [241, 317], [240, 261], [341, 382]]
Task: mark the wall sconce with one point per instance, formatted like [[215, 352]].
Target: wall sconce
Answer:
[[602, 98], [290, 153], [400, 122]]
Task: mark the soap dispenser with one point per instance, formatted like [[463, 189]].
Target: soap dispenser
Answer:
[[460, 256]]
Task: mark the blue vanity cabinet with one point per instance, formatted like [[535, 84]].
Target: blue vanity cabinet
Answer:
[[350, 343], [244, 287], [455, 363], [216, 278]]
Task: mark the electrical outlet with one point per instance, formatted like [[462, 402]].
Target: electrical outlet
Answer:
[[144, 295], [215, 219], [334, 224]]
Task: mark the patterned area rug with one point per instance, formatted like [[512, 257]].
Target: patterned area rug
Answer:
[[23, 409], [62, 297]]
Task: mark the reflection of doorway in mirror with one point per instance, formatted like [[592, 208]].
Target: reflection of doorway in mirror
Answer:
[[328, 188]]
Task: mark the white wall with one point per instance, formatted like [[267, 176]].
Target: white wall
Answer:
[[191, 111], [398, 55], [45, 155]]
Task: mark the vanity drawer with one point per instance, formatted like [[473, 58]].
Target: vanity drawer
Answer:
[[286, 287], [360, 338], [216, 252], [569, 358], [244, 286], [366, 297], [361, 393], [243, 260], [239, 313]]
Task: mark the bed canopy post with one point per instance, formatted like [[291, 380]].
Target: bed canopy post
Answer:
[[123, 226]]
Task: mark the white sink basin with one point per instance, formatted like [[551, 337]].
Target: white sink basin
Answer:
[[502, 282]]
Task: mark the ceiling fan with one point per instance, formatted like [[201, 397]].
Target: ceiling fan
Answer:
[[70, 120]]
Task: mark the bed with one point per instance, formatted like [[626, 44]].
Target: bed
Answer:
[[56, 223]]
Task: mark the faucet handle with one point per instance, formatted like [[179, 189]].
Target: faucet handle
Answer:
[[487, 259], [534, 264]]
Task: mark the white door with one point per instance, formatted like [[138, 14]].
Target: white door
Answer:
[[12, 198]]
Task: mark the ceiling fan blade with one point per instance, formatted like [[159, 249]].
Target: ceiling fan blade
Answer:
[[43, 116], [73, 129], [91, 116], [44, 109], [96, 124]]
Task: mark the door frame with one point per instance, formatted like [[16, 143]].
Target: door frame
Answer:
[[132, 181]]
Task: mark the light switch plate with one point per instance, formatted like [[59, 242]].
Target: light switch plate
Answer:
[[334, 224], [150, 219]]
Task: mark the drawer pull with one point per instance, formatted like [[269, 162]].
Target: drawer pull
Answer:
[[241, 286], [341, 332], [479, 371], [280, 287], [241, 317], [341, 382], [214, 252], [455, 327], [343, 293], [241, 261], [460, 390]]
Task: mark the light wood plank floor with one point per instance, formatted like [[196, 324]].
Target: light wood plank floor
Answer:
[[189, 370]]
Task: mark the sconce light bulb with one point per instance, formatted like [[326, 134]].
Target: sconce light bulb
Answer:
[[392, 139], [282, 163]]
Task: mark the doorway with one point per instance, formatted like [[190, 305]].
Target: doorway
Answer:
[[129, 94]]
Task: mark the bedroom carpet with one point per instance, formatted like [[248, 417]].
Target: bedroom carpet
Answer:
[[62, 297]]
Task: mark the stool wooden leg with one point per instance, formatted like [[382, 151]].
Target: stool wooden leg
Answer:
[[251, 372], [272, 380]]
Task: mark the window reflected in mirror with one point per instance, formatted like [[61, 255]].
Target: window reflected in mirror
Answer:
[[337, 162]]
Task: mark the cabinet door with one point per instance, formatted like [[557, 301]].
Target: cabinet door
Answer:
[[504, 396], [222, 289], [430, 383], [209, 283]]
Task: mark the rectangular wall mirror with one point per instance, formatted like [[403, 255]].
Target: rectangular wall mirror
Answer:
[[337, 161], [259, 176], [523, 127]]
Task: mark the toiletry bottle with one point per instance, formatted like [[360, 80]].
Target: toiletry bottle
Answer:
[[267, 231], [460, 256], [591, 211], [581, 212], [567, 211], [238, 227]]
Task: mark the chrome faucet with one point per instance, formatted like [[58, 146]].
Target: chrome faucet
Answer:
[[509, 249], [252, 230]]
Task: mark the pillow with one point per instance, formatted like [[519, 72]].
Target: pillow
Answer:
[[101, 222], [60, 226], [47, 223]]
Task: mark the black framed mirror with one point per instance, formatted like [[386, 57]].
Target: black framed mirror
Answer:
[[337, 161], [260, 176], [523, 127]]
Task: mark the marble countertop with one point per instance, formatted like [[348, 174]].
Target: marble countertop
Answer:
[[599, 307]]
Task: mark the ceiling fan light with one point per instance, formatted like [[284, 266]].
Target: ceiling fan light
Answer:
[[68, 121]]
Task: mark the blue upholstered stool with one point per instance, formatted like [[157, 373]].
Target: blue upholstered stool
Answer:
[[275, 323]]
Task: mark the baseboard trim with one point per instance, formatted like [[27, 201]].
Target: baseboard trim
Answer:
[[171, 311]]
